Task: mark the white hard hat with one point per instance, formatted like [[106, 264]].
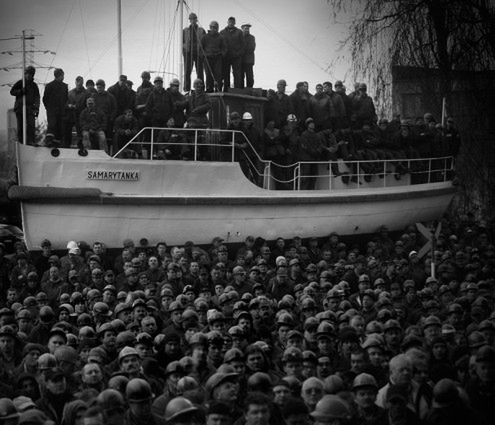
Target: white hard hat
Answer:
[[247, 116], [72, 245]]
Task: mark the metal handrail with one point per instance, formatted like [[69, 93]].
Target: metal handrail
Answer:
[[256, 163]]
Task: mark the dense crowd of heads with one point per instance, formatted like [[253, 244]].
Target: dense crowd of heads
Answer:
[[290, 332]]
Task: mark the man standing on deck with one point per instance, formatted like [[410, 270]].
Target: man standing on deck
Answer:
[[191, 49], [55, 99], [75, 105], [248, 56], [234, 39], [32, 94], [214, 48]]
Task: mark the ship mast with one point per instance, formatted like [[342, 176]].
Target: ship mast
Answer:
[[24, 109], [119, 34], [181, 41]]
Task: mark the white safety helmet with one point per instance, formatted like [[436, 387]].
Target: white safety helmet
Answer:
[[247, 116]]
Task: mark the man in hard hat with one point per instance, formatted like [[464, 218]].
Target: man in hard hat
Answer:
[[331, 409], [192, 51], [365, 390], [130, 362], [180, 410], [139, 397]]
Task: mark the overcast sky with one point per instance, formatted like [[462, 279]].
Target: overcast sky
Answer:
[[296, 39]]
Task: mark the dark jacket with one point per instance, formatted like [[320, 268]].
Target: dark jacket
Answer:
[[192, 36], [198, 104], [213, 44], [107, 104], [234, 38], [279, 106], [311, 146], [92, 120], [159, 106], [123, 97], [121, 124], [55, 97], [32, 97], [249, 48]]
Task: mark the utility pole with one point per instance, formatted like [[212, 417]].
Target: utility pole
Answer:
[[27, 52]]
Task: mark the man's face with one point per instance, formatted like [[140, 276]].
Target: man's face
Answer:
[[215, 352], [401, 373], [485, 370], [257, 414], [323, 367], [357, 362], [231, 23], [392, 336], [11, 296], [149, 325], [255, 361], [293, 369], [199, 354], [281, 395], [54, 342], [130, 364], [281, 88], [91, 374], [365, 397], [226, 391], [375, 355], [56, 386], [312, 394], [100, 88], [217, 419], [108, 339], [6, 345]]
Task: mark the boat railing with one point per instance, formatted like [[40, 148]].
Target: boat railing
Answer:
[[153, 143]]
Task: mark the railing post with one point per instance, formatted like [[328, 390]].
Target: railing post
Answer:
[[358, 167], [151, 148], [267, 175], [429, 170], [233, 146], [151, 141], [385, 173], [195, 145], [330, 175]]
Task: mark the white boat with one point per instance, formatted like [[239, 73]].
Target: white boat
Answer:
[[66, 195]]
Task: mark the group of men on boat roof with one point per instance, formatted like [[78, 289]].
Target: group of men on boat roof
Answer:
[[301, 127]]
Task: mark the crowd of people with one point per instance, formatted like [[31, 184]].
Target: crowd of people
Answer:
[[292, 332]]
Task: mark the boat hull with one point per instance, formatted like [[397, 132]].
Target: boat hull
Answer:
[[65, 204]]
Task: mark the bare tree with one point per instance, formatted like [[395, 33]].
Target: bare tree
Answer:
[[447, 35]]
